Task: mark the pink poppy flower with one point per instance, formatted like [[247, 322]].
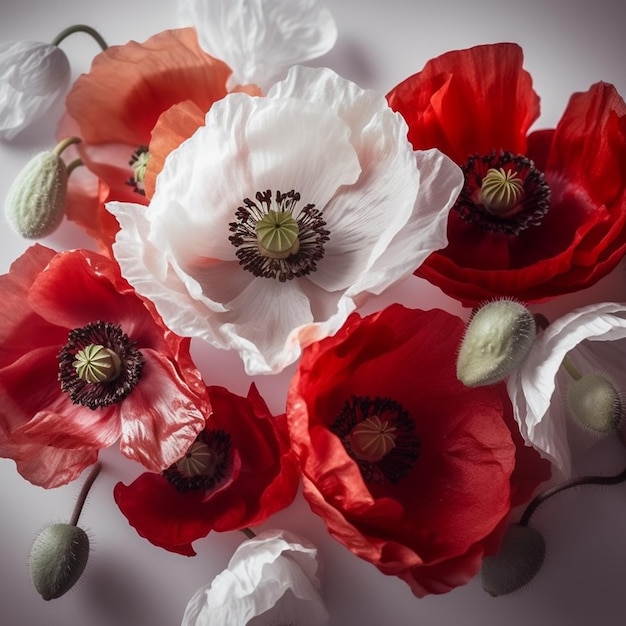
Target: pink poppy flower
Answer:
[[85, 362]]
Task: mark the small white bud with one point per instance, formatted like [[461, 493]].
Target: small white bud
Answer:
[[497, 339], [520, 558], [35, 204], [57, 559]]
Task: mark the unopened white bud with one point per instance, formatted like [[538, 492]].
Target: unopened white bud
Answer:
[[57, 559], [35, 204], [497, 339], [521, 556]]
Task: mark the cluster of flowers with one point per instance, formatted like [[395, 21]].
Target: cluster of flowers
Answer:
[[218, 215]]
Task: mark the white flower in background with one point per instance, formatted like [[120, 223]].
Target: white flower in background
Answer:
[[33, 76], [279, 216], [260, 39], [594, 340], [271, 579]]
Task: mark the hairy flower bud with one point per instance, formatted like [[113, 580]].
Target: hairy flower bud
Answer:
[[520, 557], [35, 203], [594, 402], [496, 341], [57, 559]]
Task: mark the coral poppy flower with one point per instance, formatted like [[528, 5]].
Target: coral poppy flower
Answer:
[[409, 468], [238, 472], [84, 362], [147, 79], [541, 214], [254, 240], [582, 350], [271, 579]]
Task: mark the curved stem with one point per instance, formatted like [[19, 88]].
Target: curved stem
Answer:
[[73, 165], [574, 482], [65, 143], [80, 28], [82, 496]]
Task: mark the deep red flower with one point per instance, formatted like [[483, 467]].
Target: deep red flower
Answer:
[[567, 229], [55, 309], [240, 470], [113, 109], [408, 468]]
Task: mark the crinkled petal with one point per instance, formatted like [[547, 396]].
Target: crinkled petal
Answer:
[[33, 76], [259, 39], [161, 417], [537, 388], [271, 575]]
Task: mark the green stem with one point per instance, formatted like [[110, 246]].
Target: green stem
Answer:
[[80, 28], [250, 534], [574, 482], [64, 143], [570, 368], [73, 165], [82, 496]]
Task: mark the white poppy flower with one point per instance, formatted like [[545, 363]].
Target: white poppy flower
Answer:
[[260, 39], [271, 579], [361, 209], [32, 77], [594, 339]]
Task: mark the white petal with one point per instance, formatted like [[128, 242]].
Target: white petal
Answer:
[[259, 39], [263, 323], [537, 389], [273, 574], [33, 76]]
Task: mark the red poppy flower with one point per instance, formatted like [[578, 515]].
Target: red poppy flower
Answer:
[[238, 472], [147, 79], [540, 214], [409, 469], [84, 362]]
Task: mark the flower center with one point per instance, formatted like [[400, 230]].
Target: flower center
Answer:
[[277, 239], [372, 439], [99, 365], [503, 192], [139, 163], [379, 435], [206, 465]]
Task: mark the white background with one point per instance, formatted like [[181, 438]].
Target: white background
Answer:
[[568, 46]]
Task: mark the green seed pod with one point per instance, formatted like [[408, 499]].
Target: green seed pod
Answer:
[[35, 204], [521, 556], [497, 339], [57, 559]]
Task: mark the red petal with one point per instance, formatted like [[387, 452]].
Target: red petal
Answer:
[[469, 101], [161, 417]]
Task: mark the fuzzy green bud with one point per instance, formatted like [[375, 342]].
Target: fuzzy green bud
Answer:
[[35, 204], [497, 339], [57, 559], [520, 558], [594, 403]]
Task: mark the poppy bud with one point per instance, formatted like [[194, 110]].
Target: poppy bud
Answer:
[[35, 203], [496, 341], [520, 557], [57, 559], [594, 403]]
